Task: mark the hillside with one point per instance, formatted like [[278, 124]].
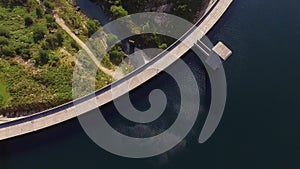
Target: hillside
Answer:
[[187, 9], [37, 57]]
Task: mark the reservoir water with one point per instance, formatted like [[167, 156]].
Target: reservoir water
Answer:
[[260, 125]]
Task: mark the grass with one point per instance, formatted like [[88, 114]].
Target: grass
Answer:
[[23, 83], [4, 95], [13, 20], [31, 86]]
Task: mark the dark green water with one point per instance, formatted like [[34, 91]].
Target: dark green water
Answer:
[[260, 126]]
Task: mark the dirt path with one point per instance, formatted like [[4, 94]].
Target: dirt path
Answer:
[[62, 24]]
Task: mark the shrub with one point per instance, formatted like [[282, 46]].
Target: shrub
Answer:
[[39, 12], [118, 11], [3, 41], [163, 46], [74, 45], [53, 59], [49, 18], [52, 25], [182, 8], [49, 5], [59, 37], [116, 55], [7, 51], [28, 21], [43, 58], [106, 62], [51, 41], [4, 32], [38, 33], [25, 54], [22, 50], [92, 26]]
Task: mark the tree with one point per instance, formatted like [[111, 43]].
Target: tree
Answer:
[[28, 21], [39, 32], [118, 11], [92, 26]]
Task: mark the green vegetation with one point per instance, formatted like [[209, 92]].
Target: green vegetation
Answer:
[[39, 32], [28, 21], [3, 41], [42, 58], [106, 62], [187, 9], [4, 31], [39, 12], [111, 39], [116, 55], [48, 4], [92, 26], [4, 95], [163, 46], [81, 25], [37, 57], [11, 3], [28, 87], [118, 11]]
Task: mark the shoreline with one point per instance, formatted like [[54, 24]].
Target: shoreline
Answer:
[[103, 96]]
